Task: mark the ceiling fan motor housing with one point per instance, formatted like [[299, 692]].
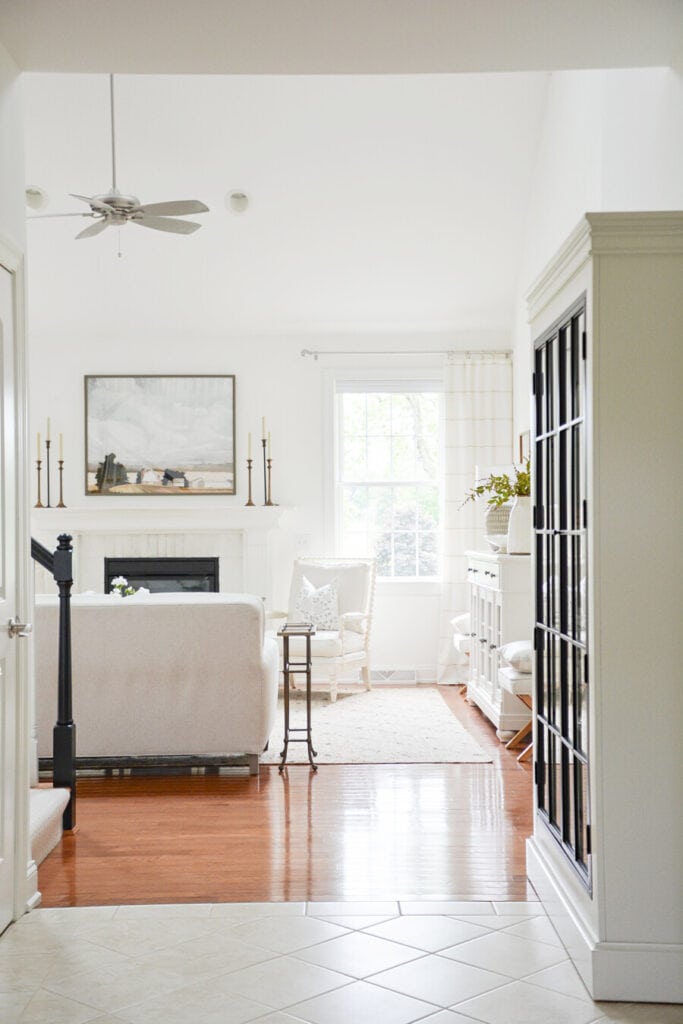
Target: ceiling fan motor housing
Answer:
[[123, 205]]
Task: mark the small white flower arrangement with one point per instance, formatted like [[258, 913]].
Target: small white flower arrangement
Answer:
[[119, 585]]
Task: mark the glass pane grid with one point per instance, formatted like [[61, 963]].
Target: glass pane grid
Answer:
[[560, 588]]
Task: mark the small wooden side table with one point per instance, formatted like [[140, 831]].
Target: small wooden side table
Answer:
[[290, 668]]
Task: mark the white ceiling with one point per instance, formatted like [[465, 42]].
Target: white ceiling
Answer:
[[378, 201], [340, 36]]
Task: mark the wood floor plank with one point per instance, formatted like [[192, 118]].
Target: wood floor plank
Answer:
[[345, 832]]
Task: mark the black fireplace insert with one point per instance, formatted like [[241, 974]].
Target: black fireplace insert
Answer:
[[164, 575]]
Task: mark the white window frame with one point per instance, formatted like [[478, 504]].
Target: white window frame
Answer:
[[397, 379]]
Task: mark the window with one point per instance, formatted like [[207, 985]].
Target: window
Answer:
[[388, 473]]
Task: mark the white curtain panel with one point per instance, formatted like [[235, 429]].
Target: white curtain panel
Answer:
[[478, 434]]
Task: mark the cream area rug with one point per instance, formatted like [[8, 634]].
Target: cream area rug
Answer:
[[397, 725]]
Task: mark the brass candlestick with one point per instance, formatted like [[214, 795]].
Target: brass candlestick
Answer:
[[47, 470], [269, 463], [39, 503], [60, 503], [249, 465], [265, 481]]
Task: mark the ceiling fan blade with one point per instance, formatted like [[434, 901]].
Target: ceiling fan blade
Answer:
[[179, 227], [95, 203], [174, 209], [93, 229]]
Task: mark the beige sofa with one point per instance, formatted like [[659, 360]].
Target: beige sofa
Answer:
[[161, 675]]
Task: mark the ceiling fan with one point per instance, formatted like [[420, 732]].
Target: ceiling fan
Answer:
[[114, 208]]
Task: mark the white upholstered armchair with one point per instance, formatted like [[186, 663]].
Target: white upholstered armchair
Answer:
[[336, 594]]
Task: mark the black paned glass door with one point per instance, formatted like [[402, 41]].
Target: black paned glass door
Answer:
[[560, 636]]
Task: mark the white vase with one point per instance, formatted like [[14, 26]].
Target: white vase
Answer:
[[496, 520], [519, 527]]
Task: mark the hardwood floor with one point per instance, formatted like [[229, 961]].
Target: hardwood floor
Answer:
[[347, 832]]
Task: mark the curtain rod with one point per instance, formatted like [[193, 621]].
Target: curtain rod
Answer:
[[406, 352]]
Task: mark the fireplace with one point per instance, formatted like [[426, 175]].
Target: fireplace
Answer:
[[243, 540], [164, 575]]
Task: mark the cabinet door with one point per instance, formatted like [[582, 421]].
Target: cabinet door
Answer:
[[560, 637]]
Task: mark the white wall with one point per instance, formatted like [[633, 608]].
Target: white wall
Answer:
[[272, 380], [611, 140], [642, 161]]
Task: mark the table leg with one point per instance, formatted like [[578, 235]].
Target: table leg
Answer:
[[311, 752], [286, 678]]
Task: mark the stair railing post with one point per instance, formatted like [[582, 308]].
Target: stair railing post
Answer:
[[64, 733]]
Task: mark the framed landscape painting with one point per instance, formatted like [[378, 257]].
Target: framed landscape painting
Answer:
[[160, 435]]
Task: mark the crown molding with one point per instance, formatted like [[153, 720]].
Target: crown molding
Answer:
[[606, 234]]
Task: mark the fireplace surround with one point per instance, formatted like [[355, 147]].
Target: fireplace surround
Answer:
[[246, 541]]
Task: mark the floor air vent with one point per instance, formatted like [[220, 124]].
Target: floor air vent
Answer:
[[397, 675]]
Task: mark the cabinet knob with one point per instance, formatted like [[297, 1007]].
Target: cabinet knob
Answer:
[[482, 639], [494, 647]]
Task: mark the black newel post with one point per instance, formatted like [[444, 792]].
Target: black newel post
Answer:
[[64, 734]]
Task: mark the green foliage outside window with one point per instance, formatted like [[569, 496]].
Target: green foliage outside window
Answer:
[[389, 463]]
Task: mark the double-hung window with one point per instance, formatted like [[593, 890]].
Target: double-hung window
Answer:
[[388, 474]]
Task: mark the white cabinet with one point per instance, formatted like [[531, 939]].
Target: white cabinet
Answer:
[[606, 856], [500, 605]]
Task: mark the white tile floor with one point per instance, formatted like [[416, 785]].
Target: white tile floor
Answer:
[[282, 963]]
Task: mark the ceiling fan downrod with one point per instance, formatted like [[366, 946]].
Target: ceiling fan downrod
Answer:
[[113, 147]]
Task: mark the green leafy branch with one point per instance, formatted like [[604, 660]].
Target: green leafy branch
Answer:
[[501, 488]]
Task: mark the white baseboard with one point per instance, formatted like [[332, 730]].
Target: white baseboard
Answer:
[[620, 971], [638, 972]]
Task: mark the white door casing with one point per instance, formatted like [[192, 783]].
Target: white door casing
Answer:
[[15, 863]]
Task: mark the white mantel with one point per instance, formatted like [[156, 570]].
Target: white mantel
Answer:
[[240, 537]]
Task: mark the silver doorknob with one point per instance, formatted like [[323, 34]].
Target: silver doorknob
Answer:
[[16, 628]]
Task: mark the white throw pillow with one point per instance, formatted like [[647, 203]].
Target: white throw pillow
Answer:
[[321, 606], [518, 653], [461, 624]]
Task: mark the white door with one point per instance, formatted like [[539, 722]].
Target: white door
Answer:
[[8, 675]]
